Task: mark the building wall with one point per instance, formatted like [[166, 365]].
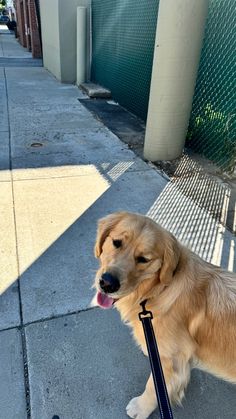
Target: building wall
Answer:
[[34, 30], [58, 21], [49, 12], [27, 24], [28, 27], [68, 34], [20, 17]]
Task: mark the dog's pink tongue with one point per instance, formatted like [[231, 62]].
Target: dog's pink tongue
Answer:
[[104, 301]]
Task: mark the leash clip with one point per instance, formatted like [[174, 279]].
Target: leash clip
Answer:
[[145, 313]]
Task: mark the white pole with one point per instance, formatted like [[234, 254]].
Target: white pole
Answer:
[[179, 36], [81, 45]]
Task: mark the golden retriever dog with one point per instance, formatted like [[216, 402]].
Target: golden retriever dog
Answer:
[[193, 302]]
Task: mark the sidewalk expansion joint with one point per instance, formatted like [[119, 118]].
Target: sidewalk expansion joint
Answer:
[[24, 348], [80, 175], [46, 319], [59, 316], [26, 373]]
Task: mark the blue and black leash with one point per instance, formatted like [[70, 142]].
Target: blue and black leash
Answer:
[[157, 373]]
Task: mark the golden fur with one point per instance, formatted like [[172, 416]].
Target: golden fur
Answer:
[[193, 302]]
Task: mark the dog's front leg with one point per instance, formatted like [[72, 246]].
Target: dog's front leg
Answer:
[[176, 381], [141, 407]]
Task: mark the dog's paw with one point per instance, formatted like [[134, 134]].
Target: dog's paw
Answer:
[[135, 409]]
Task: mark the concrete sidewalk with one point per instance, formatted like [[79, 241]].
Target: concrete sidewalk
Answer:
[[61, 170]]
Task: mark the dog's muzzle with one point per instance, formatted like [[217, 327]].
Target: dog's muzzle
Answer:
[[109, 283]]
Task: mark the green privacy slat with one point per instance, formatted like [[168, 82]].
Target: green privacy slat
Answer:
[[123, 43], [123, 37], [212, 128]]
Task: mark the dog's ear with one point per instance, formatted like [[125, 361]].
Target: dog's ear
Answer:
[[171, 259], [105, 225]]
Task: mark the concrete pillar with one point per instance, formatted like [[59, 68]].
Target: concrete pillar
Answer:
[[59, 33], [81, 64], [179, 36], [34, 30], [27, 24], [21, 22]]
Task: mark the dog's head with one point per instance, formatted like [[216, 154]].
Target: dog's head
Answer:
[[132, 248]]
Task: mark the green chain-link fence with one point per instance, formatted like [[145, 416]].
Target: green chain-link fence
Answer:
[[123, 43], [212, 129]]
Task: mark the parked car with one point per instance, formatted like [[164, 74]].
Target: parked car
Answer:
[[11, 24], [4, 19]]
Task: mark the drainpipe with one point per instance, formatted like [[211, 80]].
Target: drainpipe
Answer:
[[179, 37], [81, 45]]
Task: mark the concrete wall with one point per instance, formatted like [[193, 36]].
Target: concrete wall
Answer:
[[49, 11], [58, 21], [67, 33]]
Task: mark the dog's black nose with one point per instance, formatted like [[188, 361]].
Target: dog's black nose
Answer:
[[109, 283]]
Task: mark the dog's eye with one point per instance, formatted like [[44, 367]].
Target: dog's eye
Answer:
[[141, 259], [117, 243]]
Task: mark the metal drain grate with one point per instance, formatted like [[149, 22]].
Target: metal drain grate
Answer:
[[36, 144]]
